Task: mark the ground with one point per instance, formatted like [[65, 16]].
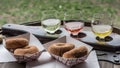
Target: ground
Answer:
[[21, 11]]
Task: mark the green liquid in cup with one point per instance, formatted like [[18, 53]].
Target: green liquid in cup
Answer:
[[51, 25]]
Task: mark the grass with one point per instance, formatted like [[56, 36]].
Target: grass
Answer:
[[21, 11]]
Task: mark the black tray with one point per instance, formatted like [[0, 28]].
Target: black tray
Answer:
[[89, 38]]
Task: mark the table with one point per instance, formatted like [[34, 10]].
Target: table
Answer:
[[103, 64]]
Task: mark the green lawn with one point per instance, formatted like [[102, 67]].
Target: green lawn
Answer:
[[21, 11]]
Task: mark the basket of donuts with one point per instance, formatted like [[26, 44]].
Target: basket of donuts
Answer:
[[68, 51], [24, 47]]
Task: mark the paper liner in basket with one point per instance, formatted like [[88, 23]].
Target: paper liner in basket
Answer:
[[32, 41], [69, 61], [27, 58]]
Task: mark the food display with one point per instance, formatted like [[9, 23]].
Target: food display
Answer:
[[76, 52], [28, 50], [21, 48], [67, 50], [14, 43], [60, 48]]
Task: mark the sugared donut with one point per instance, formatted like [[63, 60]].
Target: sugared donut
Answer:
[[26, 50], [14, 43], [76, 52], [60, 48]]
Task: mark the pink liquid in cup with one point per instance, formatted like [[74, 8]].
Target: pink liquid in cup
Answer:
[[74, 27]]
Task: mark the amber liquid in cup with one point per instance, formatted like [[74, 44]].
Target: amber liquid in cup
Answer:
[[102, 30]]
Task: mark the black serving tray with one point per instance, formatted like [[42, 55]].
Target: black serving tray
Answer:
[[112, 44]]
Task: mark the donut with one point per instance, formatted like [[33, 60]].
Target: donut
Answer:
[[60, 48], [76, 52], [13, 43], [1, 38], [26, 50]]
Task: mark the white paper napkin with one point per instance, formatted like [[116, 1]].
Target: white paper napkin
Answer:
[[5, 55]]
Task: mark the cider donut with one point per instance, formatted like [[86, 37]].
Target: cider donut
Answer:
[[76, 52], [14, 43], [60, 48], [26, 50]]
